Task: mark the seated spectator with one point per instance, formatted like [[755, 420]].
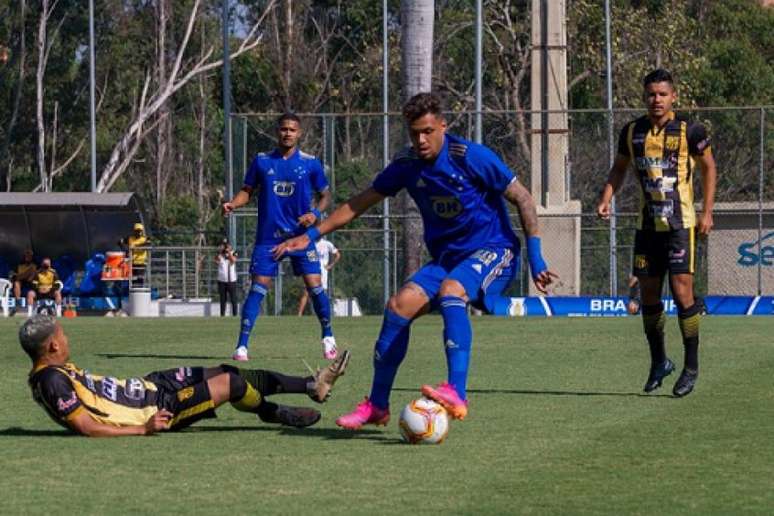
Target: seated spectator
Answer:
[[45, 285], [139, 257], [23, 274]]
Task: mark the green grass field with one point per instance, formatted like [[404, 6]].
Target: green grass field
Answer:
[[557, 426]]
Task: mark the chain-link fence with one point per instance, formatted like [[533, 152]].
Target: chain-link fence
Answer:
[[737, 257]]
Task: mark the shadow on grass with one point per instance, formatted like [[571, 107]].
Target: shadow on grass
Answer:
[[153, 355], [15, 431], [220, 359], [554, 393], [321, 433]]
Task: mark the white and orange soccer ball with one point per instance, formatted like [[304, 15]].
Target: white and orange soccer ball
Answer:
[[423, 421]]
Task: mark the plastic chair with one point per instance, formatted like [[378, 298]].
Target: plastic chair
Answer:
[[5, 296]]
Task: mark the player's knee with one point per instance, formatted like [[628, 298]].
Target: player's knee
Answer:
[[451, 287]]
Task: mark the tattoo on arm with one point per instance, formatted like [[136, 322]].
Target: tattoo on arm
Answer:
[[521, 198]]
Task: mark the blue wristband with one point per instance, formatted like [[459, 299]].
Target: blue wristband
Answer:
[[316, 213], [535, 257], [313, 233]]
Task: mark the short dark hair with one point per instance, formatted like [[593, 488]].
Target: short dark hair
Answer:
[[35, 332], [657, 75], [421, 104], [288, 116]]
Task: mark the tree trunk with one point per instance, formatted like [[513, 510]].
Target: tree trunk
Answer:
[[163, 129], [416, 45], [40, 92]]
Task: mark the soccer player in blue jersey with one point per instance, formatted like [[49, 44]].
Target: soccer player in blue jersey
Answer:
[[458, 187], [286, 181]]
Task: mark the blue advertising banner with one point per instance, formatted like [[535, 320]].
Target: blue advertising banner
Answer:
[[589, 306]]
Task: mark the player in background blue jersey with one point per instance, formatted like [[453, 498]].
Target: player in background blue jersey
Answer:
[[458, 187], [286, 182]]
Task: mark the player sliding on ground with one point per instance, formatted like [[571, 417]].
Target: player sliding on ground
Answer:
[[103, 406], [458, 187]]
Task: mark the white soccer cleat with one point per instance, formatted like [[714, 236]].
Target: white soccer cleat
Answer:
[[240, 355], [329, 347]]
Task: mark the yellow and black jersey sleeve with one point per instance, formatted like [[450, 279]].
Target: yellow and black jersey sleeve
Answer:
[[623, 141], [52, 389], [698, 139]]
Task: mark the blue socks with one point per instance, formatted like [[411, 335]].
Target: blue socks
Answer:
[[389, 352], [457, 338], [250, 311], [322, 307]]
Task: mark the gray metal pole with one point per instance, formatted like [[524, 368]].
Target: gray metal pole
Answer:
[[611, 150], [544, 103], [385, 149], [761, 169], [92, 112], [230, 221], [479, 50]]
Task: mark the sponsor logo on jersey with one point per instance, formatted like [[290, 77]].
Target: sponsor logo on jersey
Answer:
[[421, 183], [184, 394], [63, 405], [660, 184], [645, 163], [270, 172], [312, 256], [450, 344], [446, 207], [477, 267], [284, 188]]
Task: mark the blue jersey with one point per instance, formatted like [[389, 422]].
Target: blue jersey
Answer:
[[286, 191], [459, 195]]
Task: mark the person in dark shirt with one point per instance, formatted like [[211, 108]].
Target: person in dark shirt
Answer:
[[665, 151]]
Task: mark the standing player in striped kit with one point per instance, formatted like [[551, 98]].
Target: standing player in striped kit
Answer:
[[665, 151], [458, 187]]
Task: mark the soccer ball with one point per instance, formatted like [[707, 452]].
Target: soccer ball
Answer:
[[423, 421]]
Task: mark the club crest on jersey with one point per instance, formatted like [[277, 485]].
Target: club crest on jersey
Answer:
[[640, 261], [284, 188], [311, 255], [446, 207], [672, 142]]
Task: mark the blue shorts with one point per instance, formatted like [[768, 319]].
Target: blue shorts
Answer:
[[304, 262], [487, 271]]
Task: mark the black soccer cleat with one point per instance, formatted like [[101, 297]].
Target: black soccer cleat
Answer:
[[685, 384], [657, 375], [298, 417]]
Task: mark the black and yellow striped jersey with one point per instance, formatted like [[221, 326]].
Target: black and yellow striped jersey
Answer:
[[65, 391], [663, 162], [45, 280]]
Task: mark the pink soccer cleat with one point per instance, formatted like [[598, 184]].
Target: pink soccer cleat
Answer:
[[366, 413], [446, 395]]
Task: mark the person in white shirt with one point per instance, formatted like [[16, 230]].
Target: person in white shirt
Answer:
[[328, 256], [227, 277]]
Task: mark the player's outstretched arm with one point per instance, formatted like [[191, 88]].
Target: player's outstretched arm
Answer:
[[83, 424], [240, 199], [520, 197], [709, 179], [614, 180], [341, 216]]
